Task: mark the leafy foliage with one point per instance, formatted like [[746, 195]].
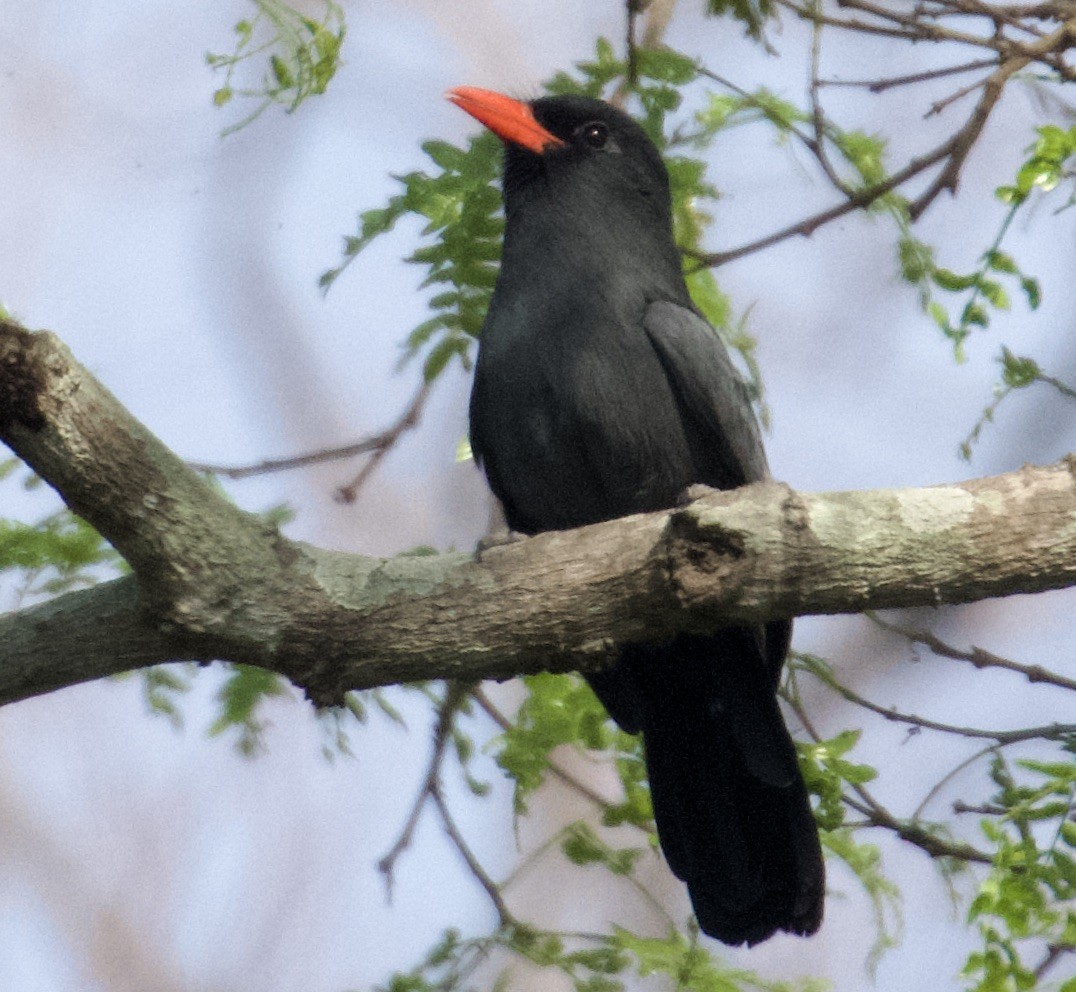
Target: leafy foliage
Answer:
[[558, 710], [303, 56], [163, 686], [752, 13], [685, 964], [56, 553], [1024, 901], [1017, 372], [1028, 899], [460, 207], [459, 204], [590, 963], [241, 695], [982, 289]]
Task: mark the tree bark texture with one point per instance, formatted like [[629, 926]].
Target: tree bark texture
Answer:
[[213, 582]]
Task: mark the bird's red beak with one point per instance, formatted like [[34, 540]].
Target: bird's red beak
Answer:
[[511, 120]]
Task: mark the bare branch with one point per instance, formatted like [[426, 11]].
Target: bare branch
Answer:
[[475, 866], [376, 445], [1051, 731], [979, 657], [911, 830], [1015, 44], [982, 809], [919, 836], [446, 715], [962, 142], [880, 85], [939, 105], [807, 227], [1054, 953], [388, 438]]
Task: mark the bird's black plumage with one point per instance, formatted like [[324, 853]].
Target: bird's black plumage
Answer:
[[601, 391]]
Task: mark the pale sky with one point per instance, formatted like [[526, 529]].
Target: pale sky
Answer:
[[182, 269]]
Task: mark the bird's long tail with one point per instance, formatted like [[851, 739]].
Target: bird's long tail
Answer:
[[732, 811]]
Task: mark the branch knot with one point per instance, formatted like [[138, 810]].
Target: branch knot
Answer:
[[701, 550]]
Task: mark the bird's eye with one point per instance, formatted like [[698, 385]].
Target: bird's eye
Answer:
[[595, 134]]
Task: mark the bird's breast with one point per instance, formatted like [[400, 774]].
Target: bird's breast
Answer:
[[573, 415]]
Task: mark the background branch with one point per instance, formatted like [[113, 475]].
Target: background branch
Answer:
[[376, 445]]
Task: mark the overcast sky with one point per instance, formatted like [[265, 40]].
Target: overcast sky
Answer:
[[182, 267]]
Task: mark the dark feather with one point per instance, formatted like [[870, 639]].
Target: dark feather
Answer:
[[599, 391]]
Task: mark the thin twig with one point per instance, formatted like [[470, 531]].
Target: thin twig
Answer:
[[475, 866], [907, 29], [818, 146], [966, 137], [880, 85], [376, 445], [408, 419], [1052, 731], [807, 227], [918, 836], [983, 809], [1063, 388], [455, 692], [632, 9], [1054, 953], [908, 830], [939, 105], [978, 657], [658, 13], [923, 28], [967, 762]]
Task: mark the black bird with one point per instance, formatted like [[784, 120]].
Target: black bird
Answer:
[[601, 391]]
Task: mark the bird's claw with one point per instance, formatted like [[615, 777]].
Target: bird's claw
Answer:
[[495, 540]]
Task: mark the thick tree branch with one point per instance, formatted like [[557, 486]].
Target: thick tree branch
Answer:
[[214, 582]]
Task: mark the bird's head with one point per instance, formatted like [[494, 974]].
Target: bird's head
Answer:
[[572, 147]]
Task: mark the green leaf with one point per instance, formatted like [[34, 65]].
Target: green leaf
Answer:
[[241, 696], [61, 542], [1001, 262], [281, 72], [582, 846], [667, 65], [558, 710], [949, 280], [442, 353], [865, 153], [1031, 291], [995, 295], [916, 259], [446, 155], [751, 13], [974, 313], [302, 57], [1017, 371]]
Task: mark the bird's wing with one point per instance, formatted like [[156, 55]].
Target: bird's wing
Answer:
[[711, 394], [716, 408]]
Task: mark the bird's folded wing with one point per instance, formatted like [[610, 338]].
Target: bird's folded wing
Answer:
[[712, 396]]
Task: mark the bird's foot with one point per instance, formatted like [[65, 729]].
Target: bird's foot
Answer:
[[495, 540], [692, 493]]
